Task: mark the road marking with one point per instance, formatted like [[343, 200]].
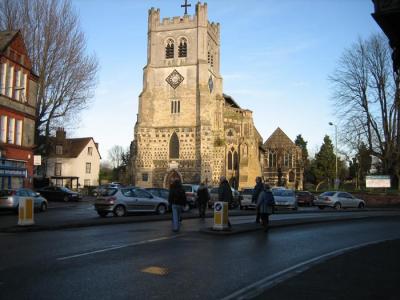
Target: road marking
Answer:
[[156, 270], [119, 247], [260, 286]]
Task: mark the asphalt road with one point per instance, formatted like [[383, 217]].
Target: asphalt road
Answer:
[[147, 261]]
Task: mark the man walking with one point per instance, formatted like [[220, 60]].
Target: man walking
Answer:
[[258, 188], [176, 199], [265, 205]]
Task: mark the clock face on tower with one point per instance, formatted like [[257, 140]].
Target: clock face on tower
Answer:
[[174, 79]]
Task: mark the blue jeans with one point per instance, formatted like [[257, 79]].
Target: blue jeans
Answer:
[[176, 214]]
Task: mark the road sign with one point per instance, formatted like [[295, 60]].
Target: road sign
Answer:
[[37, 160], [377, 181]]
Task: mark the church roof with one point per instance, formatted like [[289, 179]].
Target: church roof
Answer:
[[279, 139], [230, 101], [6, 38]]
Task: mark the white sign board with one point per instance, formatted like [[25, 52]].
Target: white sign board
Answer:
[[37, 160], [377, 181]]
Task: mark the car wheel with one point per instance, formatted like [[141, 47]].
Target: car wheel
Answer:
[[119, 211], [161, 209], [43, 206], [186, 208], [361, 205], [337, 206], [66, 199], [321, 207], [102, 214]]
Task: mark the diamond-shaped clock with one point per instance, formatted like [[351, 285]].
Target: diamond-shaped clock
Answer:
[[174, 79], [210, 84]]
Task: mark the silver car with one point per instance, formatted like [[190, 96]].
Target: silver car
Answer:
[[9, 199], [120, 201], [246, 199], [285, 198], [338, 200]]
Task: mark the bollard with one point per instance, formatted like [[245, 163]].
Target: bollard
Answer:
[[25, 212], [220, 216]]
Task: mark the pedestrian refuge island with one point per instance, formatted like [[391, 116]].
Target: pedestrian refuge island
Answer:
[[25, 212], [220, 216]]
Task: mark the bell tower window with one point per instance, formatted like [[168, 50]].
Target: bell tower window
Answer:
[[169, 49], [182, 49]]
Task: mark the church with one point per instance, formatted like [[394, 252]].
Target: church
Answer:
[[187, 127]]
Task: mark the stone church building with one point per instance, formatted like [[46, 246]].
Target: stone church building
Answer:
[[186, 126]]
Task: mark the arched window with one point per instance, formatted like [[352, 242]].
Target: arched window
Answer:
[[182, 48], [235, 161], [272, 159], [169, 49], [174, 146], [230, 160]]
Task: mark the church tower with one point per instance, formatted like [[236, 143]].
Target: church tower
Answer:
[[179, 130]]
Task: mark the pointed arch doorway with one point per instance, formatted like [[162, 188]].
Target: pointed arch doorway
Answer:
[[171, 177]]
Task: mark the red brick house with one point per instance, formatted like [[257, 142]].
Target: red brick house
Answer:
[[18, 88]]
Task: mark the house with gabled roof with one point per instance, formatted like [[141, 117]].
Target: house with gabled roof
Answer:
[[73, 162], [283, 164]]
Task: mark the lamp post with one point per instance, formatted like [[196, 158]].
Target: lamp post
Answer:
[[336, 173]]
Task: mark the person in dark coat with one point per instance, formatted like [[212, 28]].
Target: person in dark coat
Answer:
[[258, 188], [265, 206], [176, 199], [225, 193], [203, 196]]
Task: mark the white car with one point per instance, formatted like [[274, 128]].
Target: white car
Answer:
[[338, 200], [284, 198], [246, 199]]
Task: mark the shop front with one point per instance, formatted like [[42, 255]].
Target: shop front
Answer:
[[12, 173]]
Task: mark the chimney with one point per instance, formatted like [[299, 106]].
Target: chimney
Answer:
[[60, 135]]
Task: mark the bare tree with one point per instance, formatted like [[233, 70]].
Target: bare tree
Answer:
[[115, 155], [57, 48], [366, 97]]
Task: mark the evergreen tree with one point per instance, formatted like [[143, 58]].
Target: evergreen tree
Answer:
[[324, 163]]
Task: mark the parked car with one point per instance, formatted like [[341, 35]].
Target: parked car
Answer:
[[338, 200], [121, 201], [214, 198], [246, 199], [9, 199], [305, 198], [191, 194], [55, 193], [284, 198]]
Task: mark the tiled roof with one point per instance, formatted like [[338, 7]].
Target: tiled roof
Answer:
[[5, 38], [278, 139], [71, 147]]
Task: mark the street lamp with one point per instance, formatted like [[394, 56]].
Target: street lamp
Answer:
[[336, 173]]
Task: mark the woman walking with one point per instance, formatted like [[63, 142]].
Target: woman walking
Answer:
[[202, 199], [176, 199], [265, 205]]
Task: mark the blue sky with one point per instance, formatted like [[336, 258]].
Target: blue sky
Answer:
[[276, 57]]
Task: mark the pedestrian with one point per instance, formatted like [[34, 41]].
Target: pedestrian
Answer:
[[258, 188], [203, 196], [225, 193], [265, 206], [176, 199]]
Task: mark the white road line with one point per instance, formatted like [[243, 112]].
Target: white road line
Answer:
[[119, 247], [260, 286]]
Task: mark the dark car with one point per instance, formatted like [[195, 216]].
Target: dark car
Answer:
[[305, 198], [56, 193]]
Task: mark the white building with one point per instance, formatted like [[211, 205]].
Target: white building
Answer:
[[73, 162]]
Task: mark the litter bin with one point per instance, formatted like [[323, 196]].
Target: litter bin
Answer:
[[220, 216], [25, 211]]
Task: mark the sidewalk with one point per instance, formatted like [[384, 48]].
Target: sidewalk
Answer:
[[371, 272]]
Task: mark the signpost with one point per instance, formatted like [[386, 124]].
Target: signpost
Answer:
[[37, 160], [377, 181]]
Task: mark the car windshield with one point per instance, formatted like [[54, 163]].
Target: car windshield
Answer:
[[108, 191], [328, 194], [283, 193], [214, 191], [187, 188], [64, 189], [247, 192]]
